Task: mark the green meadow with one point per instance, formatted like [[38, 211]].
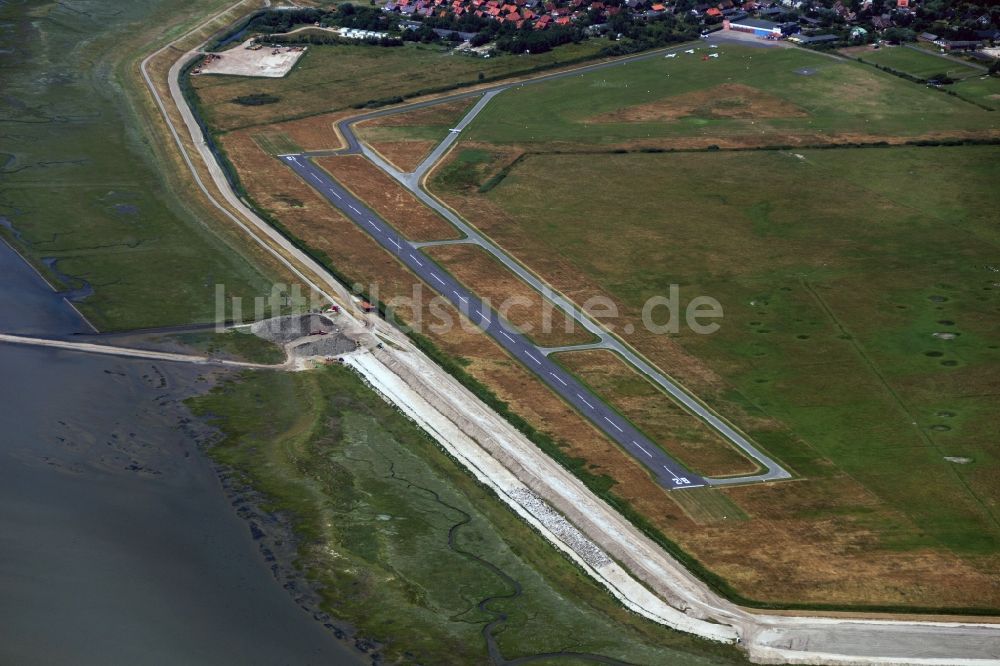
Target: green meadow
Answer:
[[799, 94], [861, 291], [408, 547]]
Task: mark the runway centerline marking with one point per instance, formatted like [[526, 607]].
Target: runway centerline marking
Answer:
[[504, 334], [584, 401], [532, 357], [559, 378], [414, 257], [614, 424], [642, 448], [435, 276]]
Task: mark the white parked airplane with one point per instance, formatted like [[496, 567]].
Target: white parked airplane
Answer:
[[455, 130], [713, 55], [670, 55], [689, 51]]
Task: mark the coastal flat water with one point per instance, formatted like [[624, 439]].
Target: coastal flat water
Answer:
[[118, 544], [28, 305]]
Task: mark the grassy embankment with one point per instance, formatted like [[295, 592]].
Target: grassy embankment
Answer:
[[375, 503], [84, 187]]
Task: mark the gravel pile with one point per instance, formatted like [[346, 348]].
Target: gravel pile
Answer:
[[333, 344], [558, 525], [291, 327]]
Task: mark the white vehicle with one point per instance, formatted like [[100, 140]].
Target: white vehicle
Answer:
[[713, 55], [689, 51], [670, 55], [713, 46]]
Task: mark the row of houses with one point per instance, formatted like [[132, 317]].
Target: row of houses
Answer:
[[760, 18], [541, 14], [984, 37]]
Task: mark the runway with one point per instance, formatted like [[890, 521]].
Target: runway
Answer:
[[667, 471], [769, 469]]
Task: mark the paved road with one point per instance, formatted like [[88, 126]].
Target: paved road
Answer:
[[667, 471], [413, 181], [110, 350]]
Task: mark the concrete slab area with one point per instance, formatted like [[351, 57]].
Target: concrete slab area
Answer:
[[244, 60]]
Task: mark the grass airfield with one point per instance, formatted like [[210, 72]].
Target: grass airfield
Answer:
[[747, 96], [572, 177], [859, 284]]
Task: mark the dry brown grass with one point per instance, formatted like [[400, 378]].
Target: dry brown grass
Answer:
[[729, 100], [404, 155], [840, 559], [678, 432], [406, 138], [439, 115], [388, 198], [315, 132], [524, 307], [781, 554]]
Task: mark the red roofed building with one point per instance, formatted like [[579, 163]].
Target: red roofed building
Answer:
[[713, 11], [563, 20]]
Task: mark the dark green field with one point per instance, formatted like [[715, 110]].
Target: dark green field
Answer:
[[375, 500], [983, 89], [918, 63], [80, 183]]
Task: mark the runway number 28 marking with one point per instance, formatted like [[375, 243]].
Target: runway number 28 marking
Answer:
[[682, 480]]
